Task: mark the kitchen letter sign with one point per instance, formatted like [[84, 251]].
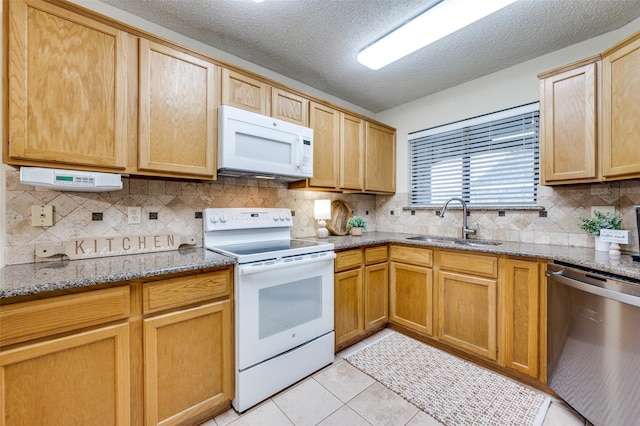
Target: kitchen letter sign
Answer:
[[84, 248]]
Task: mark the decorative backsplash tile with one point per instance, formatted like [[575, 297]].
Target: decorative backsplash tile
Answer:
[[564, 206], [175, 203]]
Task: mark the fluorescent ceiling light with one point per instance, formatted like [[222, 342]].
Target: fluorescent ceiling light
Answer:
[[437, 22]]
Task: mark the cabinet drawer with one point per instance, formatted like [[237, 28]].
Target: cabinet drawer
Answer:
[[375, 255], [348, 260], [475, 264], [167, 294], [413, 255], [39, 318]]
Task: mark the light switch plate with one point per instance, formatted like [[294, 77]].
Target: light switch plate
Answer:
[[42, 215], [602, 209]]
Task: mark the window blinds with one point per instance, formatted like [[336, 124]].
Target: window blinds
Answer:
[[491, 160]]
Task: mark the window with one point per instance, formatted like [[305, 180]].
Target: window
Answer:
[[489, 161]]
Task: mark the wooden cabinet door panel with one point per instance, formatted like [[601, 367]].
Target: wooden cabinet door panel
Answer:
[[380, 159], [411, 297], [82, 379], [521, 319], [177, 126], [325, 123], [289, 107], [621, 109], [348, 305], [242, 91], [376, 295], [569, 138], [67, 88], [352, 133], [188, 363], [468, 313]]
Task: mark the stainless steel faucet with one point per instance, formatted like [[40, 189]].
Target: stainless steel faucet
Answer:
[[465, 231]]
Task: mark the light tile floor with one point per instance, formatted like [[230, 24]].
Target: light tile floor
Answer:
[[341, 395]]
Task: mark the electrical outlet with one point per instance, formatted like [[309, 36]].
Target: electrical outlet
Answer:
[[42, 215], [134, 215]]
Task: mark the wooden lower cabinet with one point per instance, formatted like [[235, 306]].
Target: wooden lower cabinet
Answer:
[[348, 306], [360, 294], [521, 316], [411, 288], [82, 379], [187, 363], [468, 313]]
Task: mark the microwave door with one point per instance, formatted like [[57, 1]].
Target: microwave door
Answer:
[[250, 147]]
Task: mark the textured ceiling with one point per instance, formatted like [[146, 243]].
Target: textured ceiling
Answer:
[[316, 41]]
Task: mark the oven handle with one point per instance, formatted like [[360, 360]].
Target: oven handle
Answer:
[[598, 291], [248, 270]]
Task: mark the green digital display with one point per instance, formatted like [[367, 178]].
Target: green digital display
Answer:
[[64, 178], [306, 142]]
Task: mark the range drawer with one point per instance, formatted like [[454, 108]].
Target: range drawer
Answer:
[[31, 320], [167, 294]]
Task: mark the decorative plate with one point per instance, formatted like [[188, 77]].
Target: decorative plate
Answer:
[[340, 214]]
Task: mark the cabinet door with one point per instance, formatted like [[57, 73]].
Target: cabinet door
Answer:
[[348, 305], [380, 159], [67, 89], [177, 125], [521, 319], [411, 297], [242, 91], [352, 132], [376, 295], [188, 366], [289, 107], [621, 109], [468, 313], [325, 123], [82, 379], [569, 131]]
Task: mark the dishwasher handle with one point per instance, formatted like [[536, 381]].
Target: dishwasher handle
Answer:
[[589, 288]]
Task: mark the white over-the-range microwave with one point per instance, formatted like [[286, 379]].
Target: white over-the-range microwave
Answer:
[[254, 145]]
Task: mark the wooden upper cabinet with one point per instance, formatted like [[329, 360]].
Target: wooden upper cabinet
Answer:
[[352, 132], [177, 125], [289, 107], [569, 136], [380, 159], [242, 91], [621, 109], [67, 89], [325, 122]]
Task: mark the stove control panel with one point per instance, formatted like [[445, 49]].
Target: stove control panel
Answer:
[[245, 218]]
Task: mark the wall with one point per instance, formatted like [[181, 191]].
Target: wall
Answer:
[[176, 203], [504, 89]]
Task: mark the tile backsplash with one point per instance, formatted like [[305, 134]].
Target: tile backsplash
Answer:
[[175, 202], [564, 205]]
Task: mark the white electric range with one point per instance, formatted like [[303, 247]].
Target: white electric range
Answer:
[[283, 294]]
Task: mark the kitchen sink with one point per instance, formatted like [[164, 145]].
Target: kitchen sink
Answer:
[[446, 240], [442, 240]]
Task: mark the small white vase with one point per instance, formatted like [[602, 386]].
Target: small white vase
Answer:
[[601, 245], [357, 232]]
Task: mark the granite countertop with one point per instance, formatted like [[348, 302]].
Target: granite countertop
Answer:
[[42, 277]]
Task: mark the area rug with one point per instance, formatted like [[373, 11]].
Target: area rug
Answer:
[[453, 391]]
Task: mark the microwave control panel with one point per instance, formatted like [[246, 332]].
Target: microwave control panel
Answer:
[[306, 167]]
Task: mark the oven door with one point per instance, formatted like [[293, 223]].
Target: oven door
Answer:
[[282, 305]]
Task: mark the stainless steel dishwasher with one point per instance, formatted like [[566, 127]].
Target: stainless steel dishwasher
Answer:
[[593, 333]]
